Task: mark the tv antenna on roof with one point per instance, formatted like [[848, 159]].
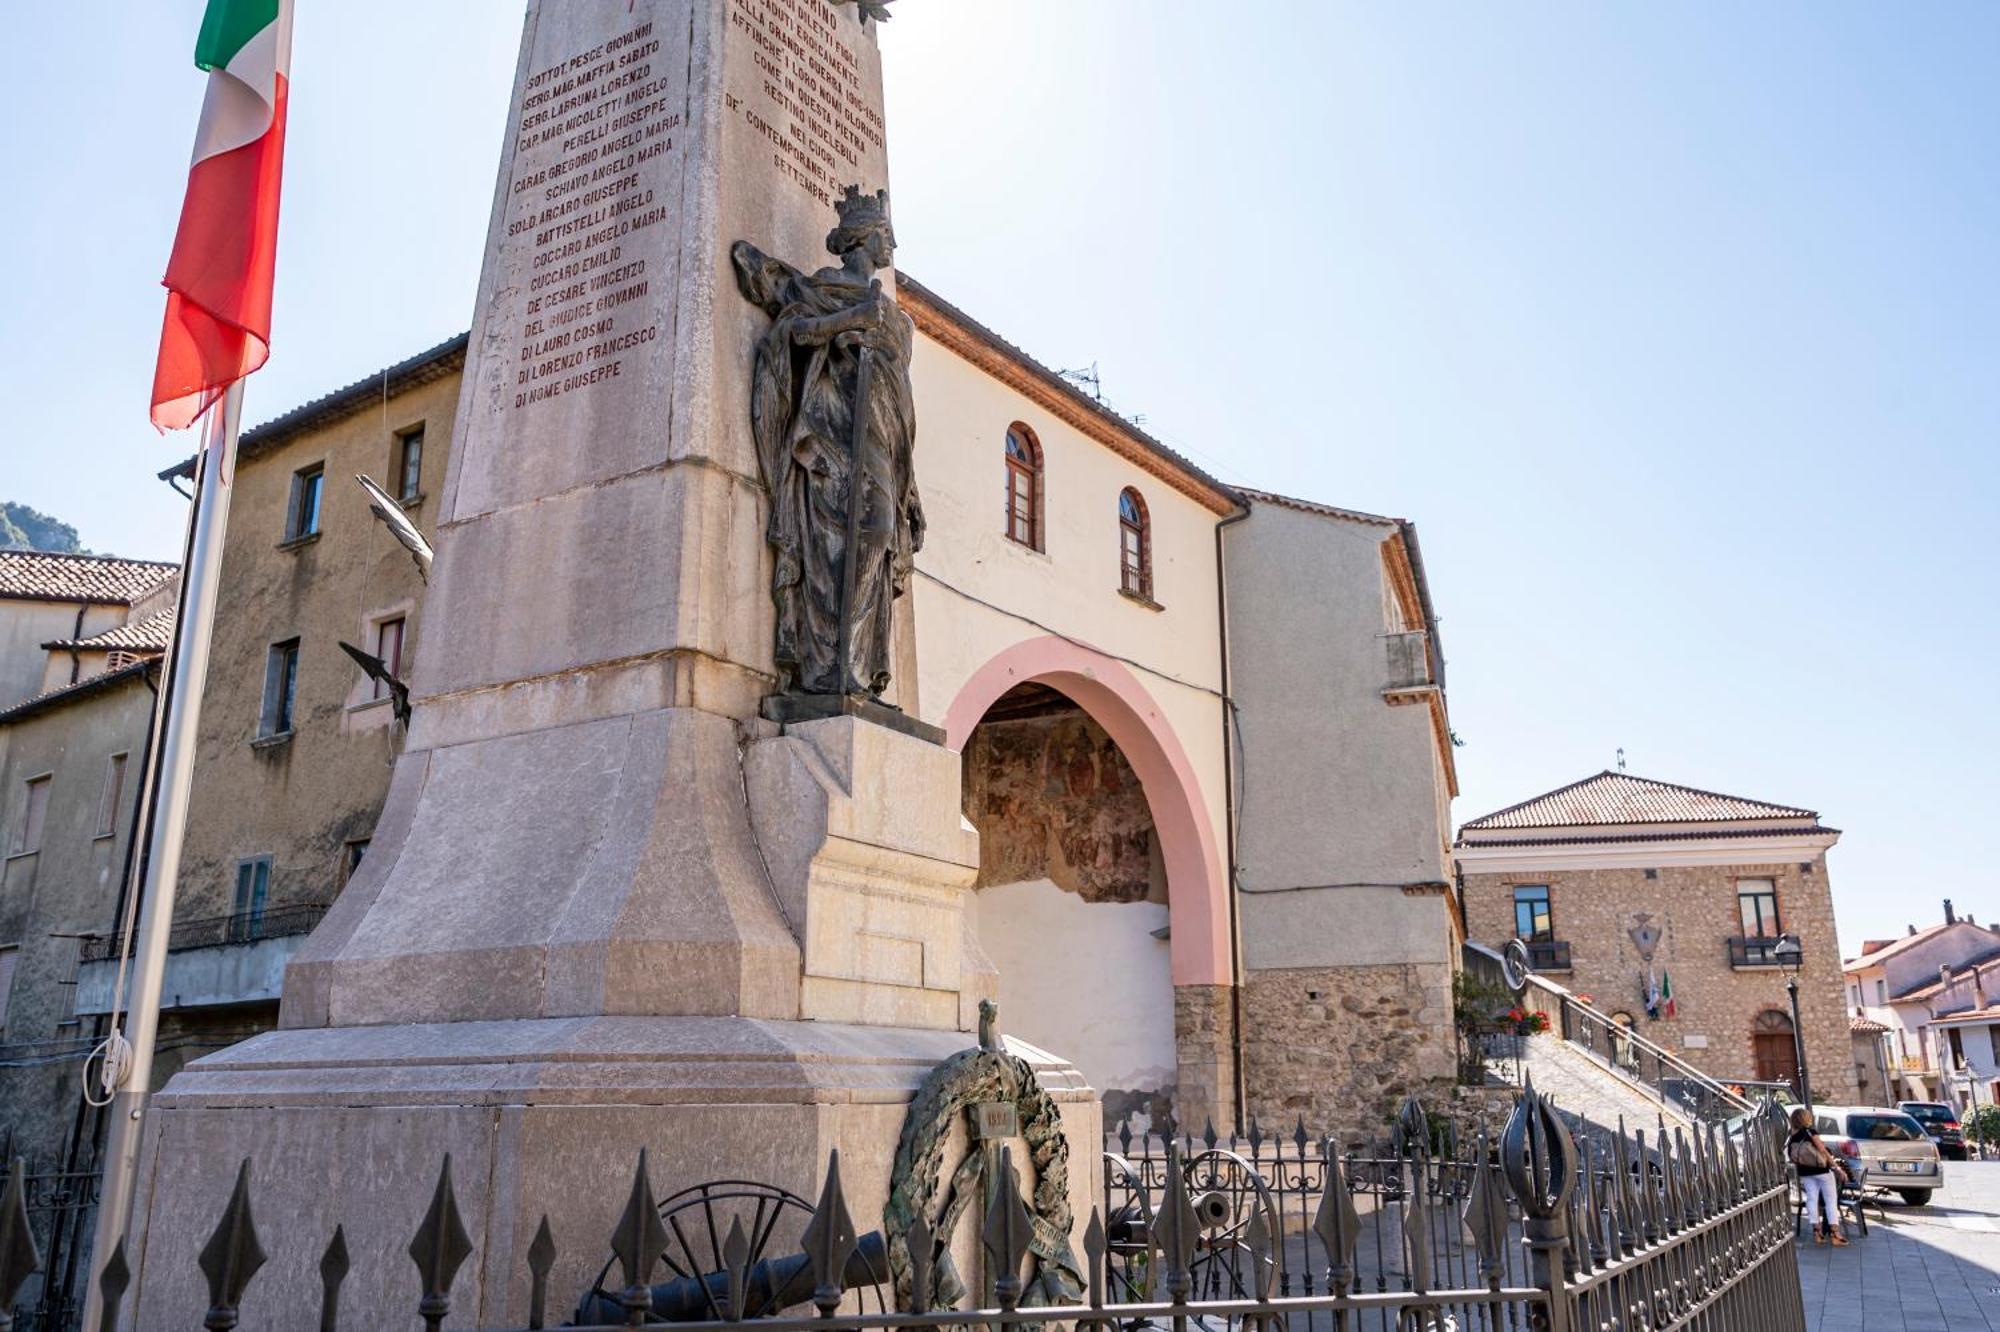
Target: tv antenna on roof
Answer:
[[1621, 758], [1086, 379]]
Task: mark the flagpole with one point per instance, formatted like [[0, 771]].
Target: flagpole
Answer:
[[187, 671]]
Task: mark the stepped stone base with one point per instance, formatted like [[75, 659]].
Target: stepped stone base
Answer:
[[349, 1126]]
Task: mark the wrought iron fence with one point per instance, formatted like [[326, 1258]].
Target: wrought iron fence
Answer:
[[56, 1210], [1530, 1231]]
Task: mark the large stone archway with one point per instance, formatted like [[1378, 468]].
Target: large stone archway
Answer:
[[1187, 844]]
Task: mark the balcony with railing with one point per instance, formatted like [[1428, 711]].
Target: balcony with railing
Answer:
[[1749, 952], [1548, 954], [212, 961]]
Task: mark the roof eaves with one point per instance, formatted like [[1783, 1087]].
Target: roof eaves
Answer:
[[927, 306], [1314, 506], [81, 689], [426, 366]]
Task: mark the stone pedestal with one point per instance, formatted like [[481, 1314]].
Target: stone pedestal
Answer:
[[608, 905]]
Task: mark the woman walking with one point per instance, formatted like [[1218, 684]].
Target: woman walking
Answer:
[[1818, 1179]]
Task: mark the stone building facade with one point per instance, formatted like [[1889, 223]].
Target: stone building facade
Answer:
[[1600, 874], [1346, 774], [296, 745], [1090, 721], [80, 638], [1901, 990]]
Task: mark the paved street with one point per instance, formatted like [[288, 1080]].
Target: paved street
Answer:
[[1921, 1269]]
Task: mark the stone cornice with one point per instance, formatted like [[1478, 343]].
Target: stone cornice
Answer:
[[1554, 855]]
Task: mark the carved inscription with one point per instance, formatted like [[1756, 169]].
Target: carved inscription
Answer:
[[594, 145], [802, 92]]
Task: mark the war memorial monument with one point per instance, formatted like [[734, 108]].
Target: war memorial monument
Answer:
[[662, 863]]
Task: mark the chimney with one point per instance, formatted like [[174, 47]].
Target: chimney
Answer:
[[1948, 917], [1913, 931]]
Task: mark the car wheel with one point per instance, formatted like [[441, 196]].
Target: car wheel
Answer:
[[1915, 1197]]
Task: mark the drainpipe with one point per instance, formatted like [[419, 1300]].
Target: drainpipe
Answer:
[[76, 636], [1229, 823]]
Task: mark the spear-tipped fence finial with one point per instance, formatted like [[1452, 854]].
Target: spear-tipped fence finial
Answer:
[[19, 1258], [231, 1256], [1179, 1229], [111, 1286], [541, 1258], [333, 1266], [830, 1240], [439, 1248], [1009, 1229], [638, 1243], [1337, 1222]]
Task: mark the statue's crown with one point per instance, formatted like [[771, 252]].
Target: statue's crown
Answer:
[[859, 210]]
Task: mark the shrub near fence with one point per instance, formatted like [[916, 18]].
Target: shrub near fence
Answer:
[[1532, 1231]]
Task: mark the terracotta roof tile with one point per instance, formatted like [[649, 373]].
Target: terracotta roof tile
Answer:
[[1314, 506], [148, 635], [1618, 798], [34, 575], [1861, 1026]]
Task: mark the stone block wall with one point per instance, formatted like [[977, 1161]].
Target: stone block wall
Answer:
[[1695, 909], [1204, 1025], [1343, 1046]]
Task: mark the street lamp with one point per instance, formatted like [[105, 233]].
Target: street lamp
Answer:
[[1790, 957]]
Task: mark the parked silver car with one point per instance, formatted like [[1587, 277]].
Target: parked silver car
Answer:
[[1883, 1149]]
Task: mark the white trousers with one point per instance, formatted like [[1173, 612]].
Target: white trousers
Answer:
[[1826, 1190]]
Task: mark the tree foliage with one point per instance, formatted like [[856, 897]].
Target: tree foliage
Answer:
[[23, 528]]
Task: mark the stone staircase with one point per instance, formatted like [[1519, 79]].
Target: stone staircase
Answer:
[[1587, 1092]]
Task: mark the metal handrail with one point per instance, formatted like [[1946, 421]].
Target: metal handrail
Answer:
[[240, 927], [1568, 1002]]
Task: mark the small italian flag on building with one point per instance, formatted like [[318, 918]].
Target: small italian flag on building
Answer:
[[218, 325]]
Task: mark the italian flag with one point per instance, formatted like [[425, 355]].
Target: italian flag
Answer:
[[218, 325]]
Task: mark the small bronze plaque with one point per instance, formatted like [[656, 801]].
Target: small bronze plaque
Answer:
[[994, 1120]]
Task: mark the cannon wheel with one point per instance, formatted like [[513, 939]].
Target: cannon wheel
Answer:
[[697, 1221]]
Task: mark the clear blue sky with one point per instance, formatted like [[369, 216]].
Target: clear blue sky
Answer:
[[1675, 328]]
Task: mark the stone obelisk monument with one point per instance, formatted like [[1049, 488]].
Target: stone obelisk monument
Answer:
[[609, 903]]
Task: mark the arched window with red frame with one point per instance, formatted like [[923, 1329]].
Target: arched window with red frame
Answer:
[[1135, 545], [1024, 487]]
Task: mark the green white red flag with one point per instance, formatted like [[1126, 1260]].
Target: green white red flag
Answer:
[[218, 324]]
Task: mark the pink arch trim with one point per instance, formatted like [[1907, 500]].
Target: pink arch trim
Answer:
[[1197, 904]]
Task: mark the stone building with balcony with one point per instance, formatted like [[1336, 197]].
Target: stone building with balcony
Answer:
[[1664, 904], [296, 743]]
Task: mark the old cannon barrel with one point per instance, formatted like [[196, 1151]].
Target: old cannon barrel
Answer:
[[770, 1286]]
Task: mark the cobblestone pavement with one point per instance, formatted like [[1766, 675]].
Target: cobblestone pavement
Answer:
[[1921, 1269]]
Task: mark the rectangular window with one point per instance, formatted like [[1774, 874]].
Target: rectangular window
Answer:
[[1532, 920], [1956, 1040], [410, 465], [1881, 992], [34, 810], [109, 798], [253, 885], [389, 647], [9, 957], [303, 517], [1757, 907], [281, 688], [1993, 1044], [351, 861]]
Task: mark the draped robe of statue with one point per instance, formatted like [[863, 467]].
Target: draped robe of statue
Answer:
[[802, 415]]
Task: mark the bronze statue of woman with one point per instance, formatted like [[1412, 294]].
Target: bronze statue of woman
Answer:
[[831, 410]]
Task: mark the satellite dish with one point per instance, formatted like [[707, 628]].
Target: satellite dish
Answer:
[[1514, 966]]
